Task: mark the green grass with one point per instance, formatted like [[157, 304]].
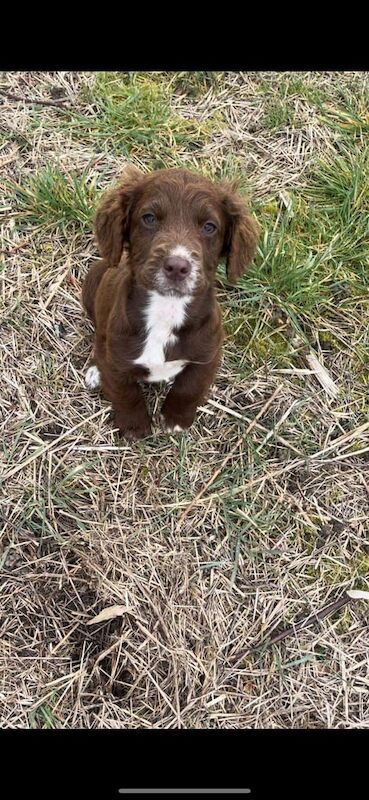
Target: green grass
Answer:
[[340, 189], [296, 85], [131, 116], [43, 717], [51, 197], [278, 114], [194, 84], [347, 113], [311, 257]]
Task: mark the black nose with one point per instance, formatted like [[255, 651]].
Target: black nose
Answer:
[[177, 268]]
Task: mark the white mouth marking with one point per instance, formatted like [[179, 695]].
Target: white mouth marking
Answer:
[[92, 378], [174, 429], [163, 316]]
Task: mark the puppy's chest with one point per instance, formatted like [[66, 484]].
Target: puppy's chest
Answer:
[[163, 318]]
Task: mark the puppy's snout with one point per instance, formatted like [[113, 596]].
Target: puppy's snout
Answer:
[[177, 268]]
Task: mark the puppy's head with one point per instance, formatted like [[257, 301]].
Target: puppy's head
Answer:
[[177, 226]]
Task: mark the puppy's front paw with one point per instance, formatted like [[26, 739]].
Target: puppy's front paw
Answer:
[[132, 428], [173, 428], [92, 377], [176, 423]]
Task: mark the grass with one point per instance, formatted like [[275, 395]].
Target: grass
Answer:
[[51, 198], [43, 718], [279, 114], [89, 522], [130, 115]]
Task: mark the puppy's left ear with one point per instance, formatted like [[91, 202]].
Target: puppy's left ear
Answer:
[[241, 233]]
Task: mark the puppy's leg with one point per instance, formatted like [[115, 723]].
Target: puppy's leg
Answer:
[[90, 286], [89, 289], [186, 394], [131, 416]]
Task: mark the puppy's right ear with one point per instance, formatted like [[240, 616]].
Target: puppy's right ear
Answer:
[[112, 217]]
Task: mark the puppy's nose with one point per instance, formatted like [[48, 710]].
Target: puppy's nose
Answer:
[[177, 268]]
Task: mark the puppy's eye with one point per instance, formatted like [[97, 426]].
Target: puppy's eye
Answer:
[[209, 228], [149, 220]]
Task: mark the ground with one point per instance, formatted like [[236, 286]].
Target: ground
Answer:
[[217, 545]]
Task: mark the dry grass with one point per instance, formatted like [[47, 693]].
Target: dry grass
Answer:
[[214, 541]]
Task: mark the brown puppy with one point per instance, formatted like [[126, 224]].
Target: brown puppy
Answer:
[[151, 297]]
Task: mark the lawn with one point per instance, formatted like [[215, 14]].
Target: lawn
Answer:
[[228, 550]]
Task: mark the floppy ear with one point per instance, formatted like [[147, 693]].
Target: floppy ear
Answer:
[[112, 217], [241, 234]]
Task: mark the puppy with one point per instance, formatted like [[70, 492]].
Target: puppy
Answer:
[[151, 297]]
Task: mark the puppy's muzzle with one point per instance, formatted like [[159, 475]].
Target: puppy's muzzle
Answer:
[[176, 269]]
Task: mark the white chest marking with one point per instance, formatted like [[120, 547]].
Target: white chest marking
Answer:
[[163, 316]]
